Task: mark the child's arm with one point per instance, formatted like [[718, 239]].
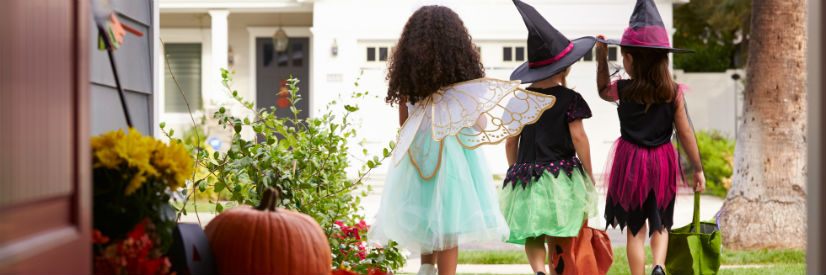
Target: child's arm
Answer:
[[686, 135], [402, 111], [581, 145], [512, 149], [603, 77]]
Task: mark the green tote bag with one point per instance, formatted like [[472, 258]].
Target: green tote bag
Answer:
[[694, 252]]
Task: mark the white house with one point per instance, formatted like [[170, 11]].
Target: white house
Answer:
[[331, 42]]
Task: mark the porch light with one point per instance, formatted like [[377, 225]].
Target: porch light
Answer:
[[280, 40], [334, 48]]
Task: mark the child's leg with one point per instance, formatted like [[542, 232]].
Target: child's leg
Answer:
[[447, 261], [659, 246], [428, 266], [635, 250], [429, 258], [535, 250]]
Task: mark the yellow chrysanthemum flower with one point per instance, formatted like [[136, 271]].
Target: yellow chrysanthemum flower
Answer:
[[174, 163], [144, 156], [102, 146]]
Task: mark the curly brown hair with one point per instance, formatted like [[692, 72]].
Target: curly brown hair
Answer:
[[434, 50]]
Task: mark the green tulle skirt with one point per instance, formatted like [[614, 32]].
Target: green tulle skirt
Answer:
[[553, 205]]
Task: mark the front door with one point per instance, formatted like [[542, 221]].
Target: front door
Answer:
[[275, 68], [45, 173]]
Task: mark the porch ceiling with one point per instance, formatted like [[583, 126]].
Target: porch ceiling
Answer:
[[170, 19], [239, 6]]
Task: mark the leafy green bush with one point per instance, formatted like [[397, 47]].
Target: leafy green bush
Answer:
[[717, 154], [304, 159], [195, 139], [706, 58]]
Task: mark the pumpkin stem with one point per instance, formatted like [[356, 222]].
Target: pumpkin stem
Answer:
[[268, 201]]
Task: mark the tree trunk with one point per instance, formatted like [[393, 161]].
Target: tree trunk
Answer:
[[766, 206]]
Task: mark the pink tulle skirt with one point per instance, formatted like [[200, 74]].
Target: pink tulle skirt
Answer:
[[635, 171]]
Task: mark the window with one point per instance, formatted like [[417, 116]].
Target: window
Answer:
[[298, 54], [185, 62], [383, 54], [589, 56], [612, 53], [520, 53], [378, 53], [513, 53], [371, 54]]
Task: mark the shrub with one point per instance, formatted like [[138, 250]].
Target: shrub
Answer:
[[717, 154], [304, 159]]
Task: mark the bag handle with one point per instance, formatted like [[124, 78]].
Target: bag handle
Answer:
[[696, 219]]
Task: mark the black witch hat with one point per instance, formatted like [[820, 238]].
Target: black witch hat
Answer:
[[646, 30], [549, 52]]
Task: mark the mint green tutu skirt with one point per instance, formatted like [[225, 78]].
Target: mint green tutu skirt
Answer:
[[458, 205], [553, 205]]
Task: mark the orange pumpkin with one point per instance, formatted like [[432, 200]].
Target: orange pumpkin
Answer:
[[267, 240]]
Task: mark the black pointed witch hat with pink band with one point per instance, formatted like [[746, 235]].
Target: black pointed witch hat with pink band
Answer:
[[646, 30], [549, 52]]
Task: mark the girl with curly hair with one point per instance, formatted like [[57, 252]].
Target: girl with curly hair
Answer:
[[439, 193]]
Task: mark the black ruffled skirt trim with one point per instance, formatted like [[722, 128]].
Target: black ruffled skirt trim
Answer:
[[658, 218]]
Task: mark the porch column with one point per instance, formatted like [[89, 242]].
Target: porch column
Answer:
[[220, 42]]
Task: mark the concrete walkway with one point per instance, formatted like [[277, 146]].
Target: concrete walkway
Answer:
[[412, 268]]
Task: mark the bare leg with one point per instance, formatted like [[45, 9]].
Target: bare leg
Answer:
[[429, 258], [659, 246], [447, 261], [535, 250], [636, 251]]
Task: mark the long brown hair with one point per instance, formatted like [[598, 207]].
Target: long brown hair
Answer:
[[434, 50], [651, 80]]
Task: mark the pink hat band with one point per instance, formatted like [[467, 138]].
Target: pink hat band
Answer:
[[655, 36], [552, 59]]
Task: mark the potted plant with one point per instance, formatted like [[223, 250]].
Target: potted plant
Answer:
[[133, 177]]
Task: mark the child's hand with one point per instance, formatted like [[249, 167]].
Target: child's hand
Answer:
[[602, 48], [699, 181]]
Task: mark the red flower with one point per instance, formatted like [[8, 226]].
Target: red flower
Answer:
[[343, 272], [99, 238], [130, 255], [339, 223], [138, 231]]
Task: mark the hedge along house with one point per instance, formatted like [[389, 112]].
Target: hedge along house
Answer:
[[331, 43]]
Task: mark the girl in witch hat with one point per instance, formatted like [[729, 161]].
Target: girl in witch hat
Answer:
[[643, 173], [439, 193], [548, 192]]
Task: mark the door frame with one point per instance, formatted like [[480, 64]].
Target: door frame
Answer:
[[816, 200], [256, 32], [19, 256]]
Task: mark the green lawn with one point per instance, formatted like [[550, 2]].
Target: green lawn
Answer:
[[203, 207], [767, 261]]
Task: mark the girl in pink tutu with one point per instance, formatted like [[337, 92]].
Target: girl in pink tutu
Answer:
[[643, 173]]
